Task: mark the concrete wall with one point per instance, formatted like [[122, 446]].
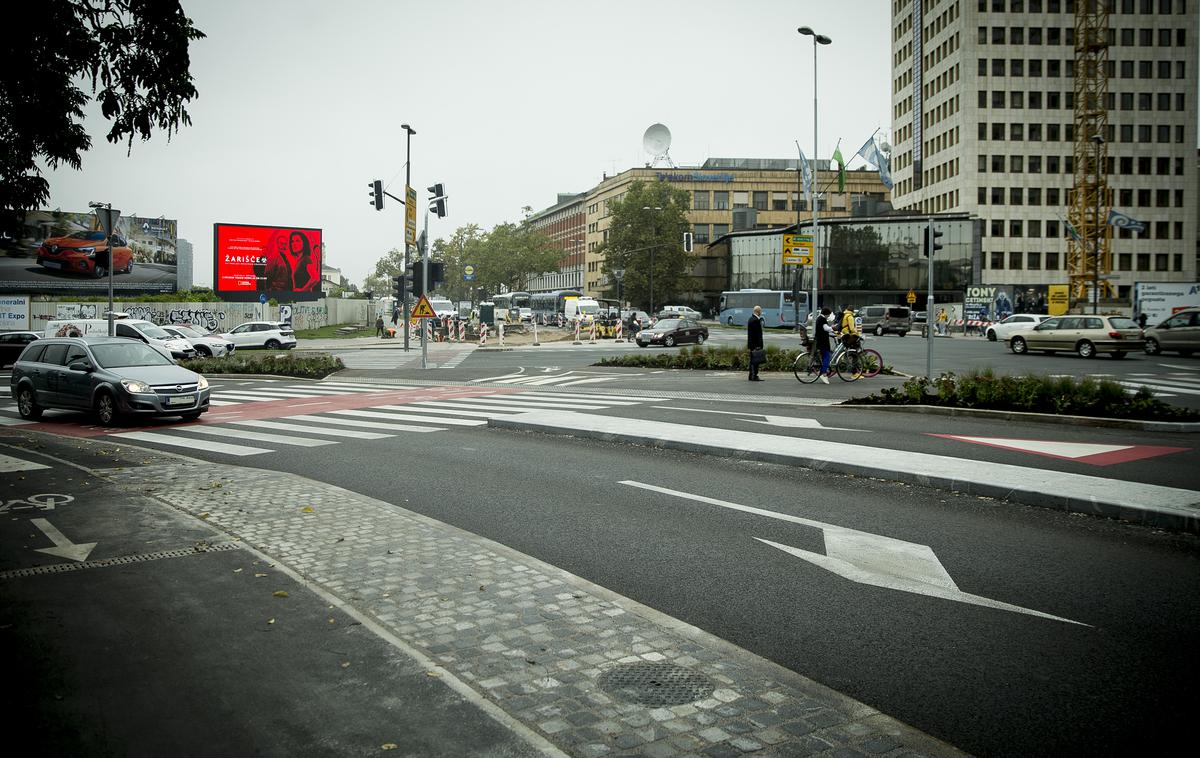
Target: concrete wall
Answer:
[[215, 316]]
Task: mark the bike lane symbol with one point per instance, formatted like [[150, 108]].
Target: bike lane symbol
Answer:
[[46, 501]]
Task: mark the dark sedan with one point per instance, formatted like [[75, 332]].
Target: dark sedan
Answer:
[[12, 344], [112, 376], [671, 332]]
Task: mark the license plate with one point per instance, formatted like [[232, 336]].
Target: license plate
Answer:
[[52, 264], [181, 400]]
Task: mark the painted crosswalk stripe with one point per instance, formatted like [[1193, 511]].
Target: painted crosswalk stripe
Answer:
[[364, 424], [355, 433], [388, 415], [366, 387], [214, 401], [9, 464], [1163, 389], [489, 402], [193, 444], [590, 381], [271, 394], [597, 397], [544, 400], [434, 410], [278, 439], [9, 421]]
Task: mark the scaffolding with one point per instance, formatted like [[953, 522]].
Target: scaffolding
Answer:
[[1089, 256]]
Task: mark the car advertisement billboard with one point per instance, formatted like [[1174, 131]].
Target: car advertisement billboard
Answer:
[[281, 262], [63, 253]]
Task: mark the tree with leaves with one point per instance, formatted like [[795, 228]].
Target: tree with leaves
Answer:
[[132, 53], [646, 234]]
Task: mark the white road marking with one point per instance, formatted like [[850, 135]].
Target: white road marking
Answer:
[[9, 421], [365, 424], [8, 464], [868, 558], [355, 433], [488, 403], [242, 434], [63, 547], [193, 444], [784, 421], [498, 378], [402, 417]]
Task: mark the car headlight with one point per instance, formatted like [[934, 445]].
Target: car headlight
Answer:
[[202, 384], [136, 387]]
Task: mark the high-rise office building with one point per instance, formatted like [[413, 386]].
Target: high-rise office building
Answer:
[[983, 97]]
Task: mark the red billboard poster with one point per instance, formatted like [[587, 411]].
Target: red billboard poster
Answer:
[[282, 262]]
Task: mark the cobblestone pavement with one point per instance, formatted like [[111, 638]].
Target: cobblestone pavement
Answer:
[[591, 672]]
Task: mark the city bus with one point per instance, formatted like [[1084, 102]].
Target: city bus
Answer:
[[779, 307], [509, 305], [547, 306]]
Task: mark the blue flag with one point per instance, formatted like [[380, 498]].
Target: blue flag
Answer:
[[1121, 221]]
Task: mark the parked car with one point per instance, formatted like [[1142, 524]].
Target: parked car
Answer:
[[12, 344], [671, 332], [1179, 333], [1014, 323], [272, 335], [86, 253], [136, 329], [679, 311], [112, 376], [206, 345], [1086, 335], [884, 319]]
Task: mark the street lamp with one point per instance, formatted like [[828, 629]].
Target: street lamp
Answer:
[[409, 132], [655, 208], [1098, 140], [818, 39]]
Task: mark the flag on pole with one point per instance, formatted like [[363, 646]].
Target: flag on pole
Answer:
[[1072, 231], [806, 176], [1121, 221], [871, 153], [837, 156]]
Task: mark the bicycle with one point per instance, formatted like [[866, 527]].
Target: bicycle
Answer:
[[848, 362]]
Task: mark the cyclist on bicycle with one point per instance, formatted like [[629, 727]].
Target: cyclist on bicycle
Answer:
[[848, 330]]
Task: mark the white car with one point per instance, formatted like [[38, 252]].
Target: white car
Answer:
[[272, 335], [1002, 330], [207, 345]]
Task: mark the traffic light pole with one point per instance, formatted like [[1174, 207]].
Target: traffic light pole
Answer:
[[425, 292], [929, 301]]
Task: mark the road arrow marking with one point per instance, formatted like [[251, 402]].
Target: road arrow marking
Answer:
[[1083, 452], [502, 376], [788, 422], [63, 547], [868, 558]]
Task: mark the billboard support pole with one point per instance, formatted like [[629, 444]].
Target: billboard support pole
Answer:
[[108, 221]]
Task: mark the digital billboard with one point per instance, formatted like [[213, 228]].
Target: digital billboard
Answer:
[[63, 253], [282, 262]]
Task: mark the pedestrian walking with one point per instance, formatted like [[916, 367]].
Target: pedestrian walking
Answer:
[[379, 326], [754, 342], [1141, 321], [942, 321], [824, 341]]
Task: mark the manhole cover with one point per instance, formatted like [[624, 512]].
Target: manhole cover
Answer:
[[655, 684]]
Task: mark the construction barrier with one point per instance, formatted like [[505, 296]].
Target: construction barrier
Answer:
[[577, 342], [462, 331], [592, 334], [500, 333], [620, 332], [483, 330]]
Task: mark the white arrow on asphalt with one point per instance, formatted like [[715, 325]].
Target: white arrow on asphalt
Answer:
[[789, 422], [63, 547], [868, 558]]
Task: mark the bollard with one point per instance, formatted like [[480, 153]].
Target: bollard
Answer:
[[535, 337], [462, 331], [592, 335], [483, 330], [620, 332], [576, 342], [500, 334]]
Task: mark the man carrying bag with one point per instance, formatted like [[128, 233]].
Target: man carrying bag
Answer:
[[754, 342]]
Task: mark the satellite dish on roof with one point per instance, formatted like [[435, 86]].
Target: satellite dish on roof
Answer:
[[657, 142]]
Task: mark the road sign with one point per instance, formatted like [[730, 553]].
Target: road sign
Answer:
[[422, 309], [794, 259], [410, 216], [797, 249], [912, 297], [468, 273]]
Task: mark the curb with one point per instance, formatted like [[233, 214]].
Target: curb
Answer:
[[1184, 427]]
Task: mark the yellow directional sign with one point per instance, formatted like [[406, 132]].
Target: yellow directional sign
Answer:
[[912, 297], [422, 309], [797, 249], [410, 216]]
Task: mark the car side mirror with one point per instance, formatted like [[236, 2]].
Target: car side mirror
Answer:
[[83, 366]]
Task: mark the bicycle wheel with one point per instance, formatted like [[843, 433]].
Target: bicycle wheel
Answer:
[[807, 367], [849, 366], [872, 363]]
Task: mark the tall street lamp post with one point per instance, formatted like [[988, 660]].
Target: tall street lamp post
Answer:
[[818, 39], [409, 132]]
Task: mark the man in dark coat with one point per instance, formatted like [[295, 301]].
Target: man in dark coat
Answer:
[[754, 340]]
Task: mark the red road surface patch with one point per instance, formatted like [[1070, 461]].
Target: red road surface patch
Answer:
[[1083, 452], [267, 409]]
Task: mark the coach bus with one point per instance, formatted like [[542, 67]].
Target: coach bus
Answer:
[[509, 305], [547, 306], [778, 306]]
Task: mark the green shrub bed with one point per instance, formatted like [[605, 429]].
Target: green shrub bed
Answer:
[[307, 366], [1059, 395], [723, 358]]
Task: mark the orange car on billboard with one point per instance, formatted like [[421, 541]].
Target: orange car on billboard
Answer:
[[85, 253]]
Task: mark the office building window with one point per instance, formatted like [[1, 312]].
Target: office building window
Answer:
[[1052, 229], [799, 202], [997, 196], [1125, 197], [1162, 230], [997, 260], [1034, 228], [1178, 198], [700, 234], [1016, 228], [997, 98], [1033, 195], [1125, 262], [1052, 261], [1143, 198], [1143, 261], [1016, 132], [983, 65], [997, 164], [1016, 196], [981, 196], [1035, 67], [721, 200], [1052, 164], [982, 99], [1035, 164], [760, 201], [1014, 260], [1016, 99], [998, 132], [779, 201], [1035, 101], [983, 161], [720, 230], [1160, 262], [981, 131], [996, 228], [1016, 164], [1178, 258], [1016, 35], [700, 200], [1052, 196], [1034, 261], [741, 199], [998, 65], [997, 35]]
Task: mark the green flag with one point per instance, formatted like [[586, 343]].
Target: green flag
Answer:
[[837, 156]]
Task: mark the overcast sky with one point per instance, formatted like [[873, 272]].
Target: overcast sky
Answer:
[[301, 101]]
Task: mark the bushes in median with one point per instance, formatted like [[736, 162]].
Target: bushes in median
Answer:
[[1060, 395], [723, 358], [307, 366]]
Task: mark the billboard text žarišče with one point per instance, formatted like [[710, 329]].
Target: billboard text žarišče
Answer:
[[282, 262]]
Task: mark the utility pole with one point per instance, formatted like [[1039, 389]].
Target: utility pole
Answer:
[[409, 132]]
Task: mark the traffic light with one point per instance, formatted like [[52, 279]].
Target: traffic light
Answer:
[[417, 278], [400, 288], [377, 194], [931, 244], [437, 200], [437, 274], [687, 242]]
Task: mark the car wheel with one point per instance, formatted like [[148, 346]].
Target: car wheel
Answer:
[[669, 341], [1152, 346], [1118, 354], [699, 339], [878, 331], [99, 272], [203, 352], [27, 404], [272, 344], [729, 320], [1085, 349], [902, 333], [106, 409], [1018, 346], [991, 335], [129, 267]]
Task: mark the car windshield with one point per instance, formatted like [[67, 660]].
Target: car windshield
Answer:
[[113, 355], [187, 331], [157, 333], [667, 324], [90, 236]]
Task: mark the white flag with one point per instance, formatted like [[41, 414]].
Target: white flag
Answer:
[[870, 153], [806, 175]]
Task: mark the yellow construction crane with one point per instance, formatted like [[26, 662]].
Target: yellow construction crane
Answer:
[[1089, 257]]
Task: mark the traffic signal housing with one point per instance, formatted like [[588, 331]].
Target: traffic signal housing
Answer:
[[416, 278], [931, 244], [437, 274], [437, 200], [400, 288], [377, 194], [687, 242]]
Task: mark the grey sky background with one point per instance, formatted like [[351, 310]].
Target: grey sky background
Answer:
[[301, 103]]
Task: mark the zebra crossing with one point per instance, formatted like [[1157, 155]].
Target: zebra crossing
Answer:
[[1169, 385], [249, 437], [564, 379], [393, 359]]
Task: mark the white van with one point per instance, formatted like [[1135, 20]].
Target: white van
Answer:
[[442, 306], [144, 331], [584, 309]]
